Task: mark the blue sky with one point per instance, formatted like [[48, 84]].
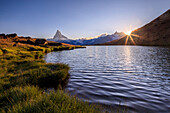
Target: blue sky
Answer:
[[76, 18]]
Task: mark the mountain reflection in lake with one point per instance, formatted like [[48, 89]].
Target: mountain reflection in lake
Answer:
[[136, 76]]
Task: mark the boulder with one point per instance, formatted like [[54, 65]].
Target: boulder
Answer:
[[52, 43], [30, 42], [41, 41], [11, 35], [2, 34], [27, 37]]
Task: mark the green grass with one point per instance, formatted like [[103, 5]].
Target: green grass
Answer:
[[30, 99], [1, 52], [27, 68], [24, 76], [49, 75]]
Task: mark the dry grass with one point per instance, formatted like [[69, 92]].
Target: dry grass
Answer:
[[24, 76]]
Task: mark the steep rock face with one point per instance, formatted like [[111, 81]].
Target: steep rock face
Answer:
[[156, 32], [59, 36]]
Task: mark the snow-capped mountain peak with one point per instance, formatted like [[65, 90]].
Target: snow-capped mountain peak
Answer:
[[102, 38], [59, 36]]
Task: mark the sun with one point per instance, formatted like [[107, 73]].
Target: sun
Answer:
[[128, 33], [130, 36]]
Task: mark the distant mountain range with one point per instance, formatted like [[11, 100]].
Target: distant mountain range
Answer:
[[157, 32], [58, 37]]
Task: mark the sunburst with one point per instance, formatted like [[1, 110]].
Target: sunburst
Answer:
[[128, 32], [129, 36]]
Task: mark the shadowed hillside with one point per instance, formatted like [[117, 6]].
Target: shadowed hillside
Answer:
[[157, 32]]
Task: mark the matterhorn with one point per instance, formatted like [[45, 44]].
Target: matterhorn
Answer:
[[59, 36], [103, 38]]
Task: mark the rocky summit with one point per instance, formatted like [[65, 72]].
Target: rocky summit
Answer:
[[59, 36]]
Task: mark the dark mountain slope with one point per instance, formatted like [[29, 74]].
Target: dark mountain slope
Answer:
[[157, 32]]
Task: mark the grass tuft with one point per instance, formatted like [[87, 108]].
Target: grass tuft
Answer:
[[30, 99]]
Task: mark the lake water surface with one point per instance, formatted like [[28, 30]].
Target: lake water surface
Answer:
[[137, 77]]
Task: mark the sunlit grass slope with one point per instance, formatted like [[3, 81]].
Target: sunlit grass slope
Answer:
[[24, 77]]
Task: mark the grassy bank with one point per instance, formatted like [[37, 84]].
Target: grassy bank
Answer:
[[24, 76]]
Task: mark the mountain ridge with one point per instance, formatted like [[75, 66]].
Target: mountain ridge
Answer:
[[156, 32], [58, 37]]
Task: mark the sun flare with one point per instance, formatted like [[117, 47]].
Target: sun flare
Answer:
[[130, 36], [128, 33]]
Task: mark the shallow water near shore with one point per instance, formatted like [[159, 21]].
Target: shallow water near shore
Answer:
[[137, 77]]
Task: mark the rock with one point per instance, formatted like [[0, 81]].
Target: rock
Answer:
[[41, 41], [2, 34], [22, 37], [11, 35], [30, 42], [27, 37], [59, 36], [52, 43]]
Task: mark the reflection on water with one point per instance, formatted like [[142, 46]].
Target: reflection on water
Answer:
[[136, 76]]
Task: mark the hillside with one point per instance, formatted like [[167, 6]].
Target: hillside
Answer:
[[25, 78], [157, 32]]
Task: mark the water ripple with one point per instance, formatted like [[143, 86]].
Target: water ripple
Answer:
[[136, 78]]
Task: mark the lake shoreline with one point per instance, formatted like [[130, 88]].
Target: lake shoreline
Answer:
[[24, 76], [128, 76]]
